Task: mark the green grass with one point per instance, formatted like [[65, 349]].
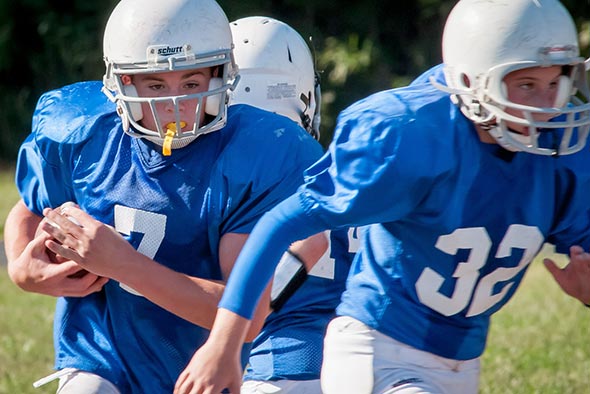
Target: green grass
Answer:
[[26, 350], [8, 192], [539, 343]]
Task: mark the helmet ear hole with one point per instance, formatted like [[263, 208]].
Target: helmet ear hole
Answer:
[[465, 80], [214, 100], [564, 91], [134, 107]]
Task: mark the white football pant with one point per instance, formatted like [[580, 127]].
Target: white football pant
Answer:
[[282, 387], [361, 360]]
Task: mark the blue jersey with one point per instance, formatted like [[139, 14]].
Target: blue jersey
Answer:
[[173, 209], [290, 345], [453, 223]]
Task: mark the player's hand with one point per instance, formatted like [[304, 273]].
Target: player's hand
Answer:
[[40, 271], [210, 371], [574, 278], [77, 236]]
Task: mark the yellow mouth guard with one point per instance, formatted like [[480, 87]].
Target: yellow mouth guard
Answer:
[[170, 134]]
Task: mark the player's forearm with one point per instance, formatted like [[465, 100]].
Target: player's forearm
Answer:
[[229, 330], [19, 229], [260, 314], [193, 299]]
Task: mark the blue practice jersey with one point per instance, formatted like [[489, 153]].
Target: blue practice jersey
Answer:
[[173, 209], [453, 223], [290, 345]]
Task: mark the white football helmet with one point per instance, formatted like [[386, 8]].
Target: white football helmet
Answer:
[[276, 71], [153, 36], [483, 41]]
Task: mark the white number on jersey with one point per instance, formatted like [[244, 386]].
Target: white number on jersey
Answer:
[[467, 273], [325, 266], [151, 225]]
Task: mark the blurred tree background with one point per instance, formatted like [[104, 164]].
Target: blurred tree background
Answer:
[[360, 47]]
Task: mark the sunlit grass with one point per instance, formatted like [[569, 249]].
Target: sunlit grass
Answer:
[[8, 194], [539, 341], [26, 347]]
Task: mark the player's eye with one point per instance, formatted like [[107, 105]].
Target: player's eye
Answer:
[[528, 86], [156, 86], [192, 85]]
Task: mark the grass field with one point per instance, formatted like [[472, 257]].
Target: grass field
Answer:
[[8, 193], [539, 343], [26, 350]]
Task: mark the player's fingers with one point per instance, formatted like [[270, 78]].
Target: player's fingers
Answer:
[[576, 250], [183, 385], [83, 285], [37, 244], [232, 388], [76, 215], [554, 270], [66, 268], [98, 283], [64, 249], [52, 229], [178, 384], [66, 224]]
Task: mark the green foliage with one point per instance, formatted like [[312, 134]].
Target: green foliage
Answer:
[[359, 50], [361, 47], [15, 121], [43, 45]]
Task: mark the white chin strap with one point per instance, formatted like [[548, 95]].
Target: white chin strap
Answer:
[[505, 139]]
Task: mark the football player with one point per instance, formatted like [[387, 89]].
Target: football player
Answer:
[[573, 278], [458, 188], [167, 183], [287, 355], [277, 73]]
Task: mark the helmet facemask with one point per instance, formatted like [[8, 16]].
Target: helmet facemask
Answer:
[[171, 42], [529, 34], [212, 103]]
